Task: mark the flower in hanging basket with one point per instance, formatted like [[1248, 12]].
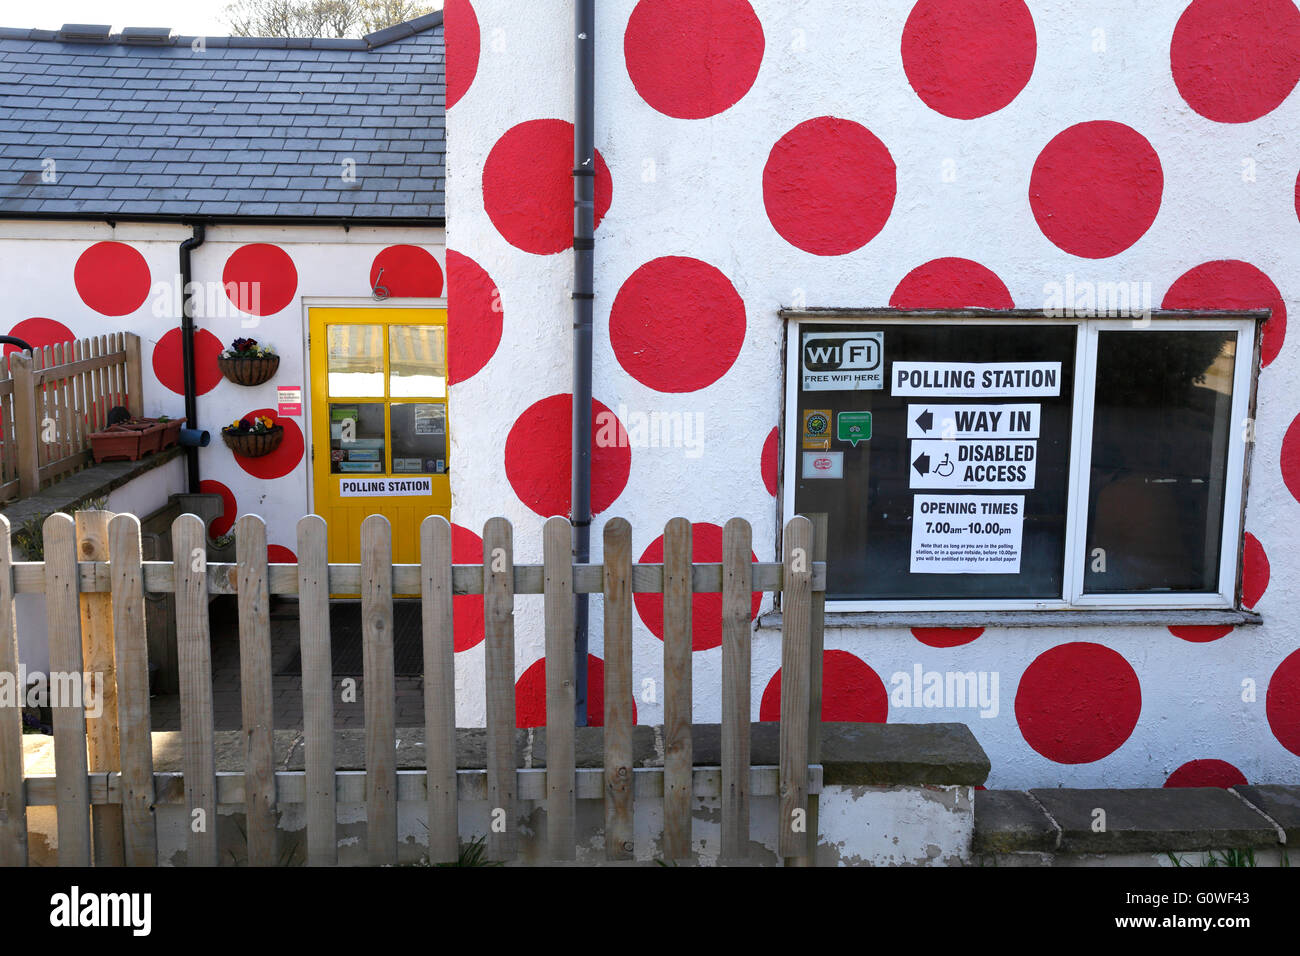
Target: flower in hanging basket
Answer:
[[248, 363], [253, 437]]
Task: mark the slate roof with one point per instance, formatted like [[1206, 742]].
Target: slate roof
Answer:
[[142, 124]]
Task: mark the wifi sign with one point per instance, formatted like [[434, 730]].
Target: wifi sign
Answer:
[[843, 361]]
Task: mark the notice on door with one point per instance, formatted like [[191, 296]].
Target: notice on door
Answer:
[[967, 534], [990, 465], [384, 487]]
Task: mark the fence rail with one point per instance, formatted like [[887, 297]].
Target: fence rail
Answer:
[[106, 796], [53, 397]]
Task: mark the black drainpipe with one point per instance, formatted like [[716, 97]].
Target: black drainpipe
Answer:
[[187, 354], [584, 229]]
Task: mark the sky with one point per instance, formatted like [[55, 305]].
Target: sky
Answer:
[[185, 17]]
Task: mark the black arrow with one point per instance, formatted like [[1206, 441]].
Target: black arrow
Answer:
[[922, 465], [925, 420]]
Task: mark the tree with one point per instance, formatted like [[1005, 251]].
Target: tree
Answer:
[[319, 18]]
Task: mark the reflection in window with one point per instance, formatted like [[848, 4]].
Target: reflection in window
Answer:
[[356, 438], [417, 361], [1159, 460], [419, 437], [355, 357]]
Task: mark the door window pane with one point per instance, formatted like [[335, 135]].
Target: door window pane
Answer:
[[356, 438], [355, 356], [1159, 460], [417, 361], [419, 437]]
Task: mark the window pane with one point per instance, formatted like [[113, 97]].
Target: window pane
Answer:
[[356, 438], [417, 361], [875, 489], [1159, 460], [419, 437], [355, 355]]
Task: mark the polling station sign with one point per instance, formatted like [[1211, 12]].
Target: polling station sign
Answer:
[[384, 487], [976, 379], [842, 361]]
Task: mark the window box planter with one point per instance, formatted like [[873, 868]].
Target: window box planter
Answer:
[[252, 370], [130, 440]]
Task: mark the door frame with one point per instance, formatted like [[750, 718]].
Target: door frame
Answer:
[[344, 302]]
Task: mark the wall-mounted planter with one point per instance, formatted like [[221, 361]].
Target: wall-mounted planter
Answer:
[[249, 371], [253, 445]]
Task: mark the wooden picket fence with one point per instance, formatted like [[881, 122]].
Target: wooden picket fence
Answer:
[[104, 784], [53, 397]]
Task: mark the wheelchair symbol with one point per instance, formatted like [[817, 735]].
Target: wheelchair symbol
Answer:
[[947, 464]]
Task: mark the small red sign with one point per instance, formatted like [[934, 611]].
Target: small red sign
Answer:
[[290, 399]]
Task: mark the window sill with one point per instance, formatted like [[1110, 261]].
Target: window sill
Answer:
[[1101, 617]]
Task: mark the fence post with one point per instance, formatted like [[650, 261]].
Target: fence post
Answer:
[[134, 378], [380, 685], [815, 659], [26, 427], [796, 605], [737, 602], [678, 744], [13, 803], [619, 837], [99, 660], [256, 689], [557, 541], [499, 675]]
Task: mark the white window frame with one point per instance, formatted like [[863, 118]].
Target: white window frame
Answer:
[[1245, 374]]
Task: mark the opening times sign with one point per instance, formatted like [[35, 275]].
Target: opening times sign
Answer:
[[967, 534]]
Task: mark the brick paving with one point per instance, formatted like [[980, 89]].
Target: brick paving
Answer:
[[165, 709]]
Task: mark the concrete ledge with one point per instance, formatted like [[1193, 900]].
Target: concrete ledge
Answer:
[[1155, 820], [1009, 821], [852, 754], [1280, 804]]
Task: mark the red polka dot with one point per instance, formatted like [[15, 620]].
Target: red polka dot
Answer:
[[693, 58], [112, 278], [38, 332], [168, 361], [284, 459], [538, 451], [969, 58], [1232, 284], [1207, 773], [951, 284], [1234, 61], [279, 554], [771, 448], [460, 27], [1201, 633], [260, 279], [530, 694], [946, 636], [466, 609], [1282, 703], [528, 186], [1078, 702], [829, 186], [677, 324], [474, 317], [407, 272], [706, 609], [223, 522], [851, 692], [1096, 189], [1254, 571], [1291, 458]]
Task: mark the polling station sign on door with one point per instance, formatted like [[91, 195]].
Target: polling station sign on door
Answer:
[[939, 453]]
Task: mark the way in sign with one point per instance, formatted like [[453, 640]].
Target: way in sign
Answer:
[[973, 421], [973, 464]]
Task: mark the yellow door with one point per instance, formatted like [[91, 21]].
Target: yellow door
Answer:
[[379, 423]]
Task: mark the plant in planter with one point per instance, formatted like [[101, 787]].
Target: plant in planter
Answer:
[[248, 363], [253, 437]]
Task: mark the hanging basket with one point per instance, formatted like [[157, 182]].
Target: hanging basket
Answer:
[[249, 371], [253, 445]]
